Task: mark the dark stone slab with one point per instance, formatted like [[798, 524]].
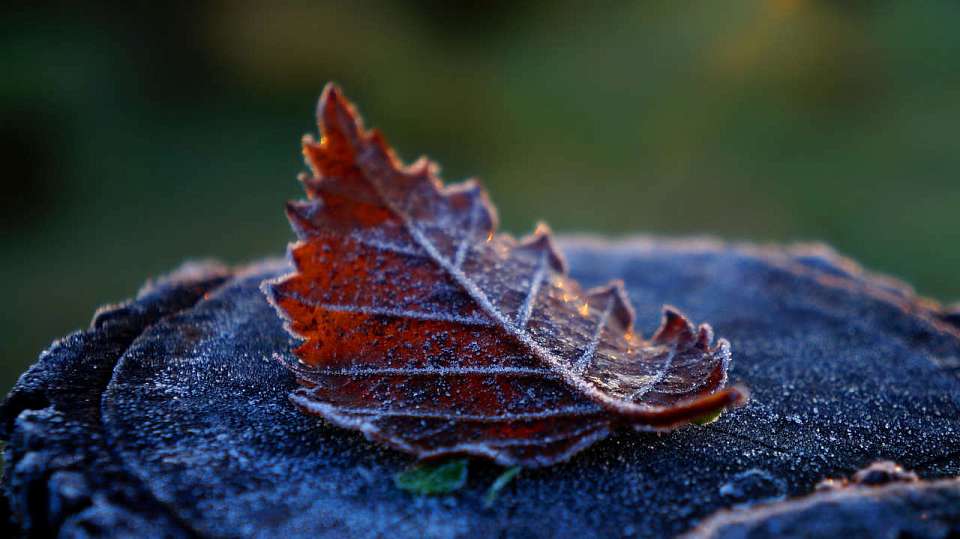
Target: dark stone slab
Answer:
[[845, 369]]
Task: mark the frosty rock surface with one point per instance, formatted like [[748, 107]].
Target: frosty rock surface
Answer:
[[197, 430]]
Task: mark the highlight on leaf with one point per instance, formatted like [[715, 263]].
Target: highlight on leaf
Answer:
[[427, 330]]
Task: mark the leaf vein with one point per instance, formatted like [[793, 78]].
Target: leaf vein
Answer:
[[527, 308], [437, 371], [480, 418], [584, 361], [395, 313], [465, 241]]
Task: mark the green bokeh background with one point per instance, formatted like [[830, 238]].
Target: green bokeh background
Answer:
[[136, 137]]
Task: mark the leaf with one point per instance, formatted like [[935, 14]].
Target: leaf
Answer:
[[433, 478], [708, 418], [498, 484], [428, 331]]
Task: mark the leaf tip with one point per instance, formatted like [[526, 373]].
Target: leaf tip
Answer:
[[301, 217], [674, 328], [620, 309], [541, 243], [330, 96], [337, 118], [705, 338]]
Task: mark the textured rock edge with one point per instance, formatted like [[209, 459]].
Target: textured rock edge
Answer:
[[52, 485]]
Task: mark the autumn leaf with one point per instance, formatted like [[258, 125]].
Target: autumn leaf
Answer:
[[428, 331]]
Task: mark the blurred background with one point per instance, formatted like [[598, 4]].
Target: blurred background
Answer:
[[135, 137]]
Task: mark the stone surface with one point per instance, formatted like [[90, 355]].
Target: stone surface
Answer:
[[176, 422]]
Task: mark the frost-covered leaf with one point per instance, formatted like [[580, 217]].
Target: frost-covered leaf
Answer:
[[427, 330]]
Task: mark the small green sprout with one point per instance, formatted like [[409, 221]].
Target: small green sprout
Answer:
[[707, 419], [501, 481], [433, 478]]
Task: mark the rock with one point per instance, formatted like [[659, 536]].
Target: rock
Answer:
[[902, 507], [883, 472], [170, 415]]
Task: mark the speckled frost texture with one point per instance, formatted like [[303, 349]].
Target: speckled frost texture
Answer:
[[430, 331], [845, 369]]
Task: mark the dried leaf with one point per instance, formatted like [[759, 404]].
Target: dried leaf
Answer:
[[428, 331]]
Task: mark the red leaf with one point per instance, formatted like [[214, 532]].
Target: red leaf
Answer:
[[426, 330]]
